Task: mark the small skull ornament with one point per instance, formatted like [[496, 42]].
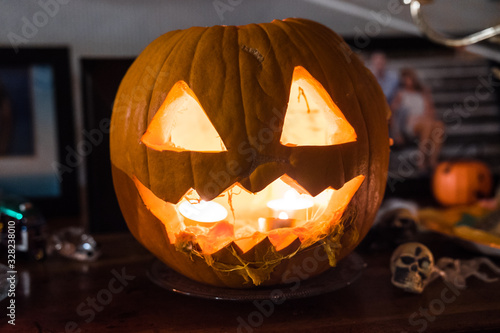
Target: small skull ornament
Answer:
[[411, 267]]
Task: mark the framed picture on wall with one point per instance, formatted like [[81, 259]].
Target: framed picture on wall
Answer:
[[38, 159]]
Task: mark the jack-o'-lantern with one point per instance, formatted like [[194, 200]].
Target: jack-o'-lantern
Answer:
[[461, 182], [242, 152]]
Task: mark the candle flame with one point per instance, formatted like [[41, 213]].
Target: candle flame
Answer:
[[291, 201], [290, 195]]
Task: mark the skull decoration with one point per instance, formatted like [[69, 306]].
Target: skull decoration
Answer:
[[411, 267]]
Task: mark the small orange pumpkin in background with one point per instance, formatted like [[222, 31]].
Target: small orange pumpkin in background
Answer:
[[461, 182], [242, 152]]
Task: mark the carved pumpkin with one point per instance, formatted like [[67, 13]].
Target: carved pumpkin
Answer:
[[241, 153], [461, 182]]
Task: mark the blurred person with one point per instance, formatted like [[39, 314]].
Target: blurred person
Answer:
[[414, 118], [388, 79]]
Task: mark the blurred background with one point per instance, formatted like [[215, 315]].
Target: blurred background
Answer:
[[61, 62]]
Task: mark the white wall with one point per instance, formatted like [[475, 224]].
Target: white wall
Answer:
[[125, 27]]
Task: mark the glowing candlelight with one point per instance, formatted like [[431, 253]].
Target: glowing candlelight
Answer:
[[283, 221], [283, 216], [262, 224], [203, 213], [292, 205], [270, 223]]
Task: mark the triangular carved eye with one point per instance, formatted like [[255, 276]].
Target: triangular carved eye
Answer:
[[312, 118], [181, 124]]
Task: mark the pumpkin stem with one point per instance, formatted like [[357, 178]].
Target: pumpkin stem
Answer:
[[301, 92]]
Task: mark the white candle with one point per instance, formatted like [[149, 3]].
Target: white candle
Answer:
[[262, 224], [267, 224], [203, 213], [292, 204]]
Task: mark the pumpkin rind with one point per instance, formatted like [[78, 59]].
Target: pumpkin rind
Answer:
[[242, 76]]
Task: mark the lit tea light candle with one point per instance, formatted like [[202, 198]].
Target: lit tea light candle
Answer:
[[270, 223], [262, 224], [283, 216], [283, 221], [203, 213], [292, 205]]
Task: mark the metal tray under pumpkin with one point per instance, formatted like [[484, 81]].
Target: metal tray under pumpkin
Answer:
[[344, 274]]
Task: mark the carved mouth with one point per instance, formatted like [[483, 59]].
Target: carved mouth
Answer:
[[283, 212]]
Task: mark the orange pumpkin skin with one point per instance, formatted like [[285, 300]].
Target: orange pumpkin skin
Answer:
[[461, 182], [241, 76]]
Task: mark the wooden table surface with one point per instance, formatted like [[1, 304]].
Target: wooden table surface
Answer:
[[60, 295]]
